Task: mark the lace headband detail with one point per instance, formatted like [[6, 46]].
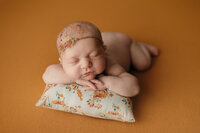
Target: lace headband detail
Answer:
[[69, 43]]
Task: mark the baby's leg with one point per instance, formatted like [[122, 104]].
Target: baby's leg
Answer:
[[141, 55]]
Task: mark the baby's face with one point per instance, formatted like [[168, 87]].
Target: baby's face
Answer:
[[84, 60]]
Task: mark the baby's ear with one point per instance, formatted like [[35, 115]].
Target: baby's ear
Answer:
[[60, 60]]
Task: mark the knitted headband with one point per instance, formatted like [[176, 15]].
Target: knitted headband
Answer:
[[69, 43]]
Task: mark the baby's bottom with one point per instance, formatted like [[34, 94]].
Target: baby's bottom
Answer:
[[119, 44], [141, 54]]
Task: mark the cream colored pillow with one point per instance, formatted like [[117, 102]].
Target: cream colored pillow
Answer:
[[72, 98]]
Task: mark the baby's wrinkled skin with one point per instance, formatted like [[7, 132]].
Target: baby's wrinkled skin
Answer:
[[92, 66]]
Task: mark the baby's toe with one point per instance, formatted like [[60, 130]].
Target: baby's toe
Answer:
[[153, 50]]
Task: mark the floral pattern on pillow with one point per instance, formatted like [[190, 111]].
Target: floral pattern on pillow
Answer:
[[72, 98]]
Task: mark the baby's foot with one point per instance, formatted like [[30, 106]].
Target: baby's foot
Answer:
[[152, 49]]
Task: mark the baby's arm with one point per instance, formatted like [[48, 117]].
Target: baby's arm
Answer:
[[120, 81], [54, 74]]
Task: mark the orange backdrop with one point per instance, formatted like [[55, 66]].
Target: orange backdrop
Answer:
[[170, 97]]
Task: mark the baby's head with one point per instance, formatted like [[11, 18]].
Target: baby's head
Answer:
[[81, 50]]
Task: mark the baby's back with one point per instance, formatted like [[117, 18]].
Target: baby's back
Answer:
[[118, 48]]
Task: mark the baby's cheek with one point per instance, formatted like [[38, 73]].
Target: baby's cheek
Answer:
[[72, 72], [100, 66]]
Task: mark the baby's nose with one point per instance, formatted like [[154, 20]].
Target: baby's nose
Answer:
[[86, 63]]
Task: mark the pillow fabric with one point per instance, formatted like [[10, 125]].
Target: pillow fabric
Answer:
[[72, 98]]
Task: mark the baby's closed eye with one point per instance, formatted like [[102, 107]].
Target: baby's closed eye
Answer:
[[74, 60]]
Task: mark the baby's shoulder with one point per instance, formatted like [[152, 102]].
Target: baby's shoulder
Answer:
[[110, 60]]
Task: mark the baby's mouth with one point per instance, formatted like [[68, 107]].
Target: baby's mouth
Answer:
[[89, 76], [86, 74]]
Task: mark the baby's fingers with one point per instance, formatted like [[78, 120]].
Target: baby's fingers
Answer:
[[86, 83], [97, 81]]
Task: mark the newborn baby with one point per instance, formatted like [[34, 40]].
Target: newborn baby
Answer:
[[98, 61]]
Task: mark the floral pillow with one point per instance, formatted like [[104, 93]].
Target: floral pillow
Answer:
[[72, 98]]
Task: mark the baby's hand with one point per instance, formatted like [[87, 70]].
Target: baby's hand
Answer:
[[101, 87], [99, 84], [89, 84]]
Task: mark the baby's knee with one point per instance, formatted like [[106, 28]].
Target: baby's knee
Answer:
[[143, 64]]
